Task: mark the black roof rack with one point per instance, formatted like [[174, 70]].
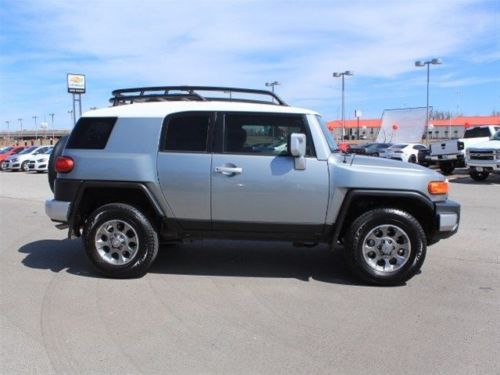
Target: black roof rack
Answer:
[[189, 93]]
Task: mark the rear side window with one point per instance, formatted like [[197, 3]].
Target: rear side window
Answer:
[[187, 133], [91, 132]]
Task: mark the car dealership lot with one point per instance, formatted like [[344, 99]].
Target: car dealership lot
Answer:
[[245, 307]]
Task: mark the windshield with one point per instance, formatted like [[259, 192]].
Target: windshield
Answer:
[[27, 150], [6, 149], [49, 151], [328, 136], [496, 136]]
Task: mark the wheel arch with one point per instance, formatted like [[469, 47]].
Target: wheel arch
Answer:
[[93, 194], [359, 201]]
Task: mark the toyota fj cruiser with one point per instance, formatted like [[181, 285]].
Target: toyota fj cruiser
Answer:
[[167, 164]]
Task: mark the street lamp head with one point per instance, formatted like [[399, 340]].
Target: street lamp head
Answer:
[[419, 63], [436, 61], [336, 74], [348, 73]]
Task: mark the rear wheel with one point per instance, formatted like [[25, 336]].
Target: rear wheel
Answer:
[[385, 246], [447, 167], [120, 241], [412, 159], [478, 176]]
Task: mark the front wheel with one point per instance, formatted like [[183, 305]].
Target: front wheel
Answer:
[[24, 166], [385, 246], [120, 241], [478, 176]]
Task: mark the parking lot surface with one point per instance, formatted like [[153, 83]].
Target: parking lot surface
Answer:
[[241, 307]]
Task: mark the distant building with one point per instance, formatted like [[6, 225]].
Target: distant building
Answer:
[[438, 129]]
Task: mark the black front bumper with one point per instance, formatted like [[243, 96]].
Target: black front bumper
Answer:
[[447, 220]]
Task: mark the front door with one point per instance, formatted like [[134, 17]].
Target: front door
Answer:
[[254, 183]]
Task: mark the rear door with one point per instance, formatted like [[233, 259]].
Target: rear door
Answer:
[[184, 165], [255, 186]]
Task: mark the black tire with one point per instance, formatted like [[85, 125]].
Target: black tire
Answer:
[[2, 165], [478, 176], [447, 167], [148, 244], [369, 221], [412, 159], [376, 154], [24, 166], [57, 151]]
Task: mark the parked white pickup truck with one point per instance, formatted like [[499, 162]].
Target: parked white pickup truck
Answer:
[[484, 158], [451, 154]]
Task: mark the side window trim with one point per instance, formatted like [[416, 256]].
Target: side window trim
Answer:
[[210, 131]]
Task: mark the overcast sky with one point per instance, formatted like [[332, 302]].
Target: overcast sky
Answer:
[[125, 43]]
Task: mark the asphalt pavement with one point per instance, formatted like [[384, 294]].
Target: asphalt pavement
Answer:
[[237, 307]]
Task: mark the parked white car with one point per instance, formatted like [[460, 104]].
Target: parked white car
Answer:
[[20, 161], [40, 162], [407, 152]]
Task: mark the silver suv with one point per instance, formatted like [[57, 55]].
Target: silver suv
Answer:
[[166, 164]]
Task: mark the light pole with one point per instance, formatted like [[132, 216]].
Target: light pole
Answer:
[[21, 124], [272, 84], [337, 75], [52, 124], [36, 128], [421, 64], [358, 114]]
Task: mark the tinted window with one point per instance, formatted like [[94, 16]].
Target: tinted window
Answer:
[[187, 133], [477, 132], [263, 134], [91, 132]]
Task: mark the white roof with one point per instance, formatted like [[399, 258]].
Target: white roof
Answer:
[[162, 109]]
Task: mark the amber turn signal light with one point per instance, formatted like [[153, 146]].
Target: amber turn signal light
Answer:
[[438, 187], [64, 164]]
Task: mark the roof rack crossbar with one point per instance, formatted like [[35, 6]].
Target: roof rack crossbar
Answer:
[[144, 94]]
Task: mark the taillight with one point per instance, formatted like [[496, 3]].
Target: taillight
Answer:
[[64, 164]]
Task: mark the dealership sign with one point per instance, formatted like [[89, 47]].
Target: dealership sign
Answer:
[[76, 83]]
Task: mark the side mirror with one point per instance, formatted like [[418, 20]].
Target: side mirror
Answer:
[[297, 148]]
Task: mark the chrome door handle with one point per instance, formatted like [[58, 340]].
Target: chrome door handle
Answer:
[[228, 171]]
